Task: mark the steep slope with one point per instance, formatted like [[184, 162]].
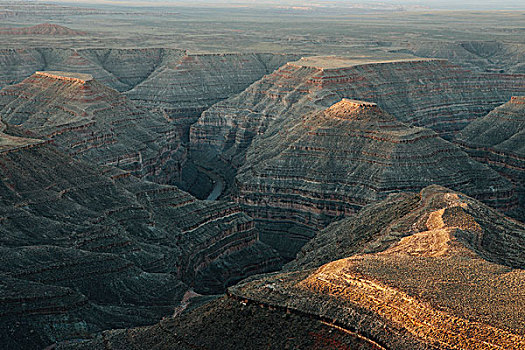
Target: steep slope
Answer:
[[120, 69], [169, 82], [379, 225], [444, 273], [424, 92], [184, 89], [188, 84], [435, 270], [48, 29], [305, 172], [498, 139], [93, 122], [85, 248], [485, 56]]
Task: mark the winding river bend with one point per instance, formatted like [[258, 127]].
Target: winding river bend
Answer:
[[218, 186]]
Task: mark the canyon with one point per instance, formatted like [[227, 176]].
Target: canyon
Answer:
[[409, 272], [170, 84], [261, 177], [173, 80], [93, 160], [94, 163], [111, 250], [306, 172], [302, 154]]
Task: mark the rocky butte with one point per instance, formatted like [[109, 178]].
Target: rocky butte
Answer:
[[431, 93], [94, 123], [304, 172], [412, 271]]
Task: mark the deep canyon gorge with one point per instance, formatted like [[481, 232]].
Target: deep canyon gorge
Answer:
[[312, 191]]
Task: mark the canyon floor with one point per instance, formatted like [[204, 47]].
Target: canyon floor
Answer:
[[271, 176]]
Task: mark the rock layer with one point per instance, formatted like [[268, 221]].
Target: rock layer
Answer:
[[424, 92], [433, 270], [87, 248], [94, 123], [498, 139], [305, 172]]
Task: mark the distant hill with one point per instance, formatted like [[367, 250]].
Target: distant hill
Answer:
[[42, 29]]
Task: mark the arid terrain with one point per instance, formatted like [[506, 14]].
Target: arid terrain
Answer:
[[270, 175]]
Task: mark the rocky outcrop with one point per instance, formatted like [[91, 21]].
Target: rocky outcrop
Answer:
[[433, 270], [498, 139], [304, 172], [42, 29], [94, 123], [86, 248], [380, 225], [439, 271], [430, 93]]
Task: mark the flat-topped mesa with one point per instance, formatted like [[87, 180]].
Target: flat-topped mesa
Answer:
[[431, 93], [336, 62], [67, 76], [93, 122], [353, 109]]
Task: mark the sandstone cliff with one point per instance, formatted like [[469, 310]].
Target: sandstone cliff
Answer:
[[304, 172], [421, 92], [94, 123], [498, 139]]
